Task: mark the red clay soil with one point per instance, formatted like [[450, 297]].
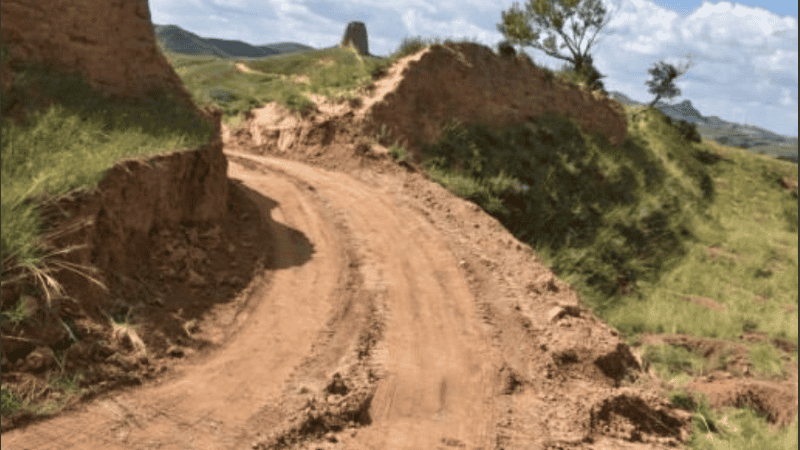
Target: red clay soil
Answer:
[[387, 314]]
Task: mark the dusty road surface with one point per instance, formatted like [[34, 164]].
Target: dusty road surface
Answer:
[[413, 321]]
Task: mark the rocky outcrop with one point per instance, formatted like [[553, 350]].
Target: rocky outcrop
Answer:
[[356, 35], [111, 43], [471, 83]]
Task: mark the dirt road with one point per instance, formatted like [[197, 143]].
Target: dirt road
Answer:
[[441, 388], [411, 321]]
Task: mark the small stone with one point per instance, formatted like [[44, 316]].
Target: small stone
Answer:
[[192, 235], [176, 352], [39, 360], [178, 255], [233, 281], [555, 313], [330, 437], [195, 279]]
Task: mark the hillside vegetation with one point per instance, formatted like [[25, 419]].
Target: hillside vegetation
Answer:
[[636, 229]]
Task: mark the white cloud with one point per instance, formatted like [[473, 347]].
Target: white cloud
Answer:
[[787, 99], [231, 3]]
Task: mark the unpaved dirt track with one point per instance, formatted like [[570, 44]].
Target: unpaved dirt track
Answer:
[[434, 355], [204, 408], [397, 316]]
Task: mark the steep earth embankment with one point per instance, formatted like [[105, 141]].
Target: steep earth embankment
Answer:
[[111, 44], [471, 83]]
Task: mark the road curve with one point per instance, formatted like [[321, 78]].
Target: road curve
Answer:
[[436, 377]]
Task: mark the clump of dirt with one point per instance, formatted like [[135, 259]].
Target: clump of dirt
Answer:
[[182, 302]]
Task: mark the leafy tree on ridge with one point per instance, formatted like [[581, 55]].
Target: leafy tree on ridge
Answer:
[[551, 16], [662, 84]]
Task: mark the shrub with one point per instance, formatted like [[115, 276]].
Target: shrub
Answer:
[[586, 74], [506, 50], [409, 46], [686, 129]]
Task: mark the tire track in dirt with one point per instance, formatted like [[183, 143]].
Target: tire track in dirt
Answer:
[[436, 385], [207, 406]]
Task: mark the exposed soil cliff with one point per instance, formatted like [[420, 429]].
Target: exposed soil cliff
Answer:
[[111, 44], [471, 83]]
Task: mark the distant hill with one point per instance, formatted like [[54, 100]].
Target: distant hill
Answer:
[[723, 132], [173, 38]]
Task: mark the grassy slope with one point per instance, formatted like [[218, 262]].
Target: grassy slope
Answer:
[[628, 226]]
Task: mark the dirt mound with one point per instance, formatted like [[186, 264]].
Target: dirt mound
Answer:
[[775, 398]]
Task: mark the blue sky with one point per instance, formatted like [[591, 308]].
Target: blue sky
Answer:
[[743, 55]]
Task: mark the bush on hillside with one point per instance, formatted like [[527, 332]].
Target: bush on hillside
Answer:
[[686, 129], [587, 75], [409, 46], [506, 50]]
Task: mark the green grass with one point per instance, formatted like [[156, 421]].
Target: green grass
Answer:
[[42, 398], [628, 226], [71, 146], [650, 222], [732, 428]]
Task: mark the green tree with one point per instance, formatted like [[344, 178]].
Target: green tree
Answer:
[[662, 84], [551, 16]]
